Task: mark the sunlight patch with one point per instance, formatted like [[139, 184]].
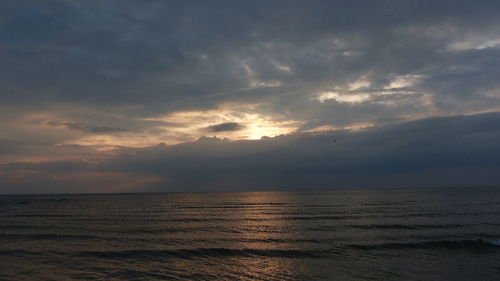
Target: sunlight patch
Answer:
[[343, 98], [403, 81], [193, 124]]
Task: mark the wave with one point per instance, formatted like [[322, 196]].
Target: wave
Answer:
[[15, 252], [470, 244], [191, 254], [384, 226], [206, 253], [49, 236], [492, 242], [257, 219], [406, 226]]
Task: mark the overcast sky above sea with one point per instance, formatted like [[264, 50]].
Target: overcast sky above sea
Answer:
[[125, 96]]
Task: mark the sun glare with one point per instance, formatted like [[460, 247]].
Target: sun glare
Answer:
[[245, 123]]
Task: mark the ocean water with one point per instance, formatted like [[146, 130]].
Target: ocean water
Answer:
[[384, 234]]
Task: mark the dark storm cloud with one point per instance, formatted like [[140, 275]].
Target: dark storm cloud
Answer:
[[224, 127]]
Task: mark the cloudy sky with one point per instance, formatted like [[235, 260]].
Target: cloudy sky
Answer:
[[121, 96]]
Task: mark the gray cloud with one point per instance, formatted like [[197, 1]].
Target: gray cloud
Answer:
[[83, 127], [224, 127], [178, 55], [429, 152]]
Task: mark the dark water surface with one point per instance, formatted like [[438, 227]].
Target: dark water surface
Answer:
[[385, 234]]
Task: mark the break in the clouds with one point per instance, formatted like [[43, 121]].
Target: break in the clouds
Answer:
[[100, 82]]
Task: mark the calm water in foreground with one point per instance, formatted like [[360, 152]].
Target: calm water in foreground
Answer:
[[405, 234]]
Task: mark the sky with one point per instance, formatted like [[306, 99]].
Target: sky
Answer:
[[146, 96]]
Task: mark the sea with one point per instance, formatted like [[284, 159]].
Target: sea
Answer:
[[373, 234]]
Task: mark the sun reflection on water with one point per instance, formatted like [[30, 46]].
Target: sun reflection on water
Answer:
[[263, 226]]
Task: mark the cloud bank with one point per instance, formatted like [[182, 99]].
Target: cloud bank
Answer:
[[446, 151]]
